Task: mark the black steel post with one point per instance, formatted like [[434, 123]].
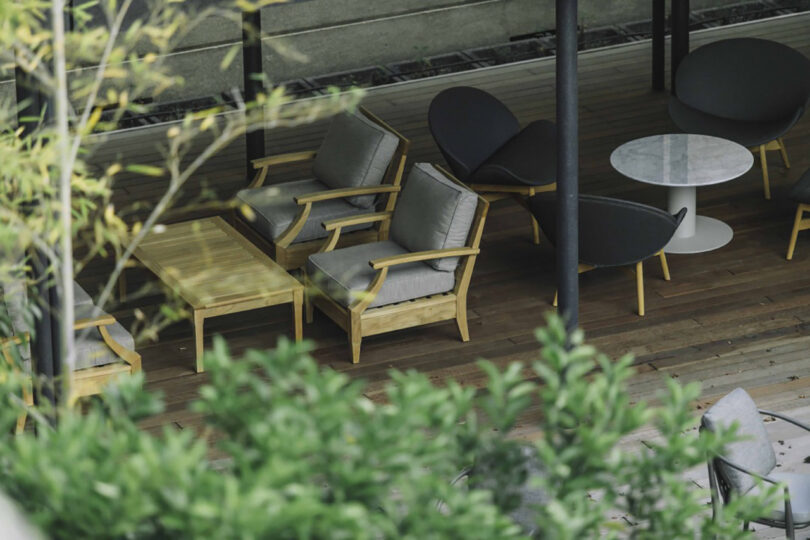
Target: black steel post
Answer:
[[567, 163], [35, 110], [252, 68], [659, 16], [680, 35]]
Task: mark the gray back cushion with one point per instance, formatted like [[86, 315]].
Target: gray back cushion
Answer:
[[433, 213], [355, 153], [755, 451]]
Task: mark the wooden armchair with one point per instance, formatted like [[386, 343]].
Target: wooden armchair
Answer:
[[101, 355], [357, 168], [421, 275]]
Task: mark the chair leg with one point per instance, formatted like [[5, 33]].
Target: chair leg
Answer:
[[766, 184], [664, 265], [640, 287], [535, 231], [783, 151], [461, 319], [554, 303], [355, 337], [795, 234]]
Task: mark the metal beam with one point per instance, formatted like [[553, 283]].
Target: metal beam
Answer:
[[252, 68], [659, 29], [680, 35], [567, 163], [35, 108]]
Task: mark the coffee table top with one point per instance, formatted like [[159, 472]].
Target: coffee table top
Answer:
[[682, 160], [210, 264]]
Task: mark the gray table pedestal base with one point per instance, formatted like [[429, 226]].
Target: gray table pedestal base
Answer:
[[710, 234], [696, 234]]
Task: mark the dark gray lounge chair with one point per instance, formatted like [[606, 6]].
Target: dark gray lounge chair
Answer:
[[747, 90]]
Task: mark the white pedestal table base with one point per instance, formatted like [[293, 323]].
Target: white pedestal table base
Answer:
[[696, 234]]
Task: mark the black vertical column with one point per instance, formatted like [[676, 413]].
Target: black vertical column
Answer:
[[252, 67], [659, 16], [567, 162], [36, 109], [680, 35]]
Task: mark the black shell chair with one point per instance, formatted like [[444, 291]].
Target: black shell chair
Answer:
[[613, 232], [747, 90], [483, 144], [801, 194]]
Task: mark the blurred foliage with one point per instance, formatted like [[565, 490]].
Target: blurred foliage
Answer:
[[303, 453]]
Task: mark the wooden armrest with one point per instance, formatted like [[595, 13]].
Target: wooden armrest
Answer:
[[384, 262], [291, 157], [333, 224], [103, 320], [344, 192]]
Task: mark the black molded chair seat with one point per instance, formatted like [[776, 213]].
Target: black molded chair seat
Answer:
[[613, 232], [800, 192], [483, 144], [748, 134], [529, 158]]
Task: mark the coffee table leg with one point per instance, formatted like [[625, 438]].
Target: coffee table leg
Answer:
[[198, 339], [298, 302]]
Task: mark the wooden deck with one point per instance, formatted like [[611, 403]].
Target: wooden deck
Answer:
[[738, 316]]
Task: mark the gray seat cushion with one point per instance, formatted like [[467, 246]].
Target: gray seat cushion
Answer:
[[799, 487], [91, 351], [755, 452], [355, 153], [345, 273], [433, 213], [275, 209]]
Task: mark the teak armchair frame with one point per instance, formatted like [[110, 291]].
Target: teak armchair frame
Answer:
[[359, 321], [294, 255], [86, 381]]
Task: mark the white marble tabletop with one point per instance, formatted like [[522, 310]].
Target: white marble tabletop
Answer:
[[681, 160]]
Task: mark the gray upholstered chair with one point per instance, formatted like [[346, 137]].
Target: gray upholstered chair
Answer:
[[358, 168], [800, 192], [751, 458], [419, 276], [748, 90], [104, 348]]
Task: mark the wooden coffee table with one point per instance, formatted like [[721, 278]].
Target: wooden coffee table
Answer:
[[218, 271]]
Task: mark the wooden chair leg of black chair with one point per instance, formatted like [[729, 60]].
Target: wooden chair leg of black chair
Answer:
[[535, 231], [664, 265], [794, 234], [640, 287], [783, 151], [763, 159]]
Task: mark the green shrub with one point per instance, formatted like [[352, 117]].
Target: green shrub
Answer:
[[309, 456]]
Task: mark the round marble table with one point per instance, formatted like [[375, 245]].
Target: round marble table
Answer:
[[682, 163]]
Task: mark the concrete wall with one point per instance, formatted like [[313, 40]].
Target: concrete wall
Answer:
[[338, 35]]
